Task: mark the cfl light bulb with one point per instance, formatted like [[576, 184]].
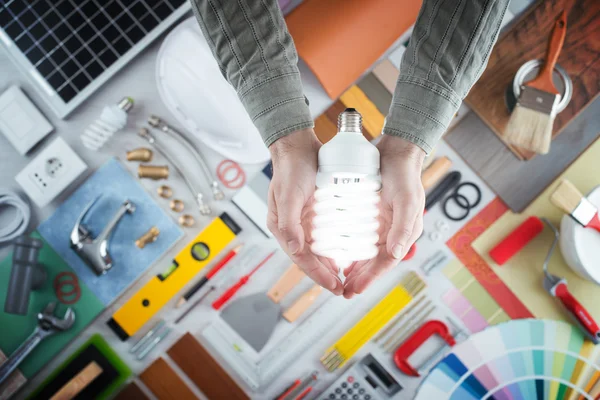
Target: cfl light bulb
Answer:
[[112, 119], [345, 226]]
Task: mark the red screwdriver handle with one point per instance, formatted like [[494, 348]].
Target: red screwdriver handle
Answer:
[[578, 312], [220, 264], [217, 304]]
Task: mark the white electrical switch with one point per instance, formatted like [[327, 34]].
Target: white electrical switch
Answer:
[[20, 121], [48, 174]]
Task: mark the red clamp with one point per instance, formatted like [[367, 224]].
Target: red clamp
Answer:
[[420, 336]]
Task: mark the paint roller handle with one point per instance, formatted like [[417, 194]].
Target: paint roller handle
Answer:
[[578, 312], [229, 293]]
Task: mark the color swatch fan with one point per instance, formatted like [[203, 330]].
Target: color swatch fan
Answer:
[[521, 359]]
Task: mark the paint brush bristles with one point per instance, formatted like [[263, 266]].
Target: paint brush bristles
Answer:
[[530, 124], [566, 197]]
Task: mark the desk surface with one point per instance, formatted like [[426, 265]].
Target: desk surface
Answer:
[[137, 80]]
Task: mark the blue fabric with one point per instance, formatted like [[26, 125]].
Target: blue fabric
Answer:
[[116, 185]]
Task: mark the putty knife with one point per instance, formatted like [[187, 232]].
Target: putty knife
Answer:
[[254, 317]]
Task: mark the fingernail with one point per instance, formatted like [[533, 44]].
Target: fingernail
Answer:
[[397, 251], [335, 286], [293, 246]]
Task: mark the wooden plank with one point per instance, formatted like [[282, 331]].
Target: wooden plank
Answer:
[[13, 383], [376, 92], [516, 182], [324, 128], [387, 74], [204, 371], [165, 383], [372, 119], [78, 382], [131, 392], [527, 40]]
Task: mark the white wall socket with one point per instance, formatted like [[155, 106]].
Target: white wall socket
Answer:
[[55, 168]]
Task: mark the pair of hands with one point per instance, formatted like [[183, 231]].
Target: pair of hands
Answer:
[[291, 199]]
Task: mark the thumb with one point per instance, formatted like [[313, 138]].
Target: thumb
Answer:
[[403, 222], [289, 221]]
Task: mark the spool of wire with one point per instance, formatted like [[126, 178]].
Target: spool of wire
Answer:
[[16, 227]]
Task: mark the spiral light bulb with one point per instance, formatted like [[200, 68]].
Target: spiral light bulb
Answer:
[[112, 119], [345, 227]]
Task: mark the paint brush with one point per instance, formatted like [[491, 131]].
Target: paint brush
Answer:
[[571, 201], [530, 124]]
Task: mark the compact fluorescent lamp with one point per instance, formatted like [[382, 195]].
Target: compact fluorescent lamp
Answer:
[[345, 227]]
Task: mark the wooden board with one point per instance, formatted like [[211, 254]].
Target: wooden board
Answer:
[[203, 370], [131, 392], [527, 40], [165, 383], [13, 383], [516, 182]]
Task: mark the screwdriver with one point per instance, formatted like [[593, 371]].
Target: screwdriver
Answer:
[[217, 304]]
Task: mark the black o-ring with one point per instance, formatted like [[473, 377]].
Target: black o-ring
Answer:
[[477, 191], [445, 204], [459, 199]]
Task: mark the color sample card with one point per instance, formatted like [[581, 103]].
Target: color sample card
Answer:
[[116, 185], [461, 246], [86, 308], [469, 300], [523, 273], [522, 359]]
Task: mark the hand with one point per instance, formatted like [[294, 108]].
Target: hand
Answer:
[[401, 212], [290, 205]]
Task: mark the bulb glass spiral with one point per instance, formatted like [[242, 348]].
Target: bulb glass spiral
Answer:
[[112, 119], [345, 225]]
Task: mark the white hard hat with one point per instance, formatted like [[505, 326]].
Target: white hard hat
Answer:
[[192, 87]]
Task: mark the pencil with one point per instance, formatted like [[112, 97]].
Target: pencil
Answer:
[[208, 276]]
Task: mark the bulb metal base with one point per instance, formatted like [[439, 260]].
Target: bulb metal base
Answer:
[[350, 121]]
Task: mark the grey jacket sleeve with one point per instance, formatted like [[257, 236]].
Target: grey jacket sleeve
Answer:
[[257, 56], [447, 53]]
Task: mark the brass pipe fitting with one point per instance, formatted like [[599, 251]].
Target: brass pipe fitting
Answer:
[[140, 154], [177, 205], [155, 172], [148, 237], [186, 220], [165, 191]]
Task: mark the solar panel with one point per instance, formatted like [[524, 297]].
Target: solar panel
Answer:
[[71, 47]]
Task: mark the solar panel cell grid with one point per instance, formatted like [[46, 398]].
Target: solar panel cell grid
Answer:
[[72, 42]]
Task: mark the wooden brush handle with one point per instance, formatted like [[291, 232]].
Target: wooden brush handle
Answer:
[[286, 283], [435, 172], [544, 79], [78, 382], [303, 303]]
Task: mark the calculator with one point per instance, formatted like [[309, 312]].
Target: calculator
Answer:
[[365, 380]]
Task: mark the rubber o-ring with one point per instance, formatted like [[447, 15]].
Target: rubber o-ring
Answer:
[[445, 206], [477, 191]]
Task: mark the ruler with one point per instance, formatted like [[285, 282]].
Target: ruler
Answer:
[[260, 370]]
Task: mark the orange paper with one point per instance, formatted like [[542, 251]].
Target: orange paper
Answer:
[[340, 39]]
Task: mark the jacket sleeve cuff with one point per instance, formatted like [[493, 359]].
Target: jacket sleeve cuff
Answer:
[[421, 111], [276, 104]]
